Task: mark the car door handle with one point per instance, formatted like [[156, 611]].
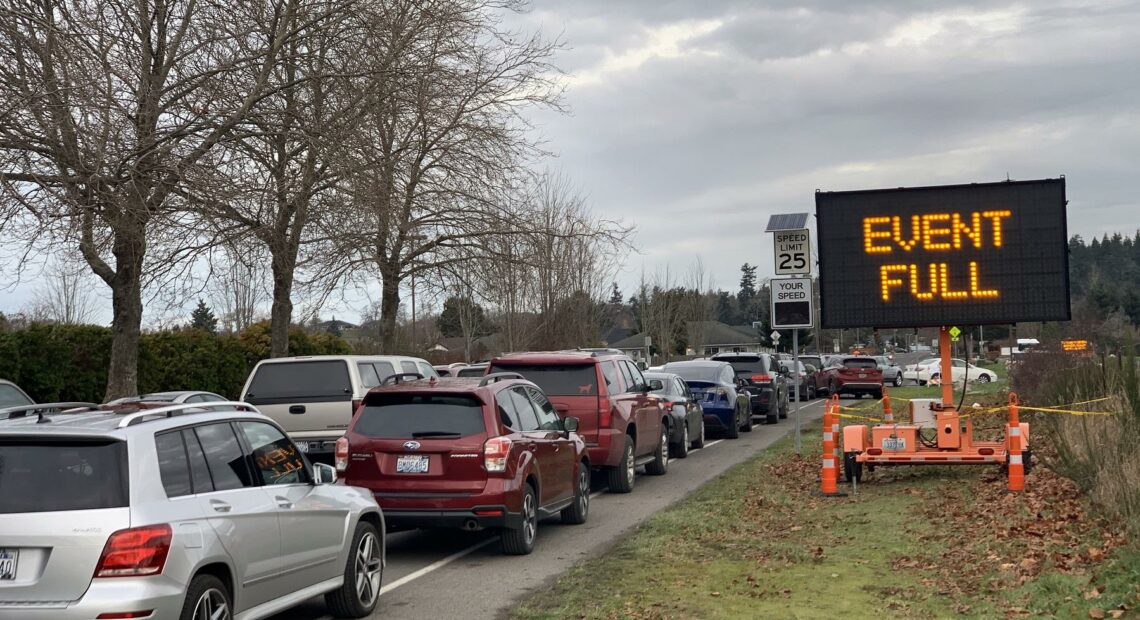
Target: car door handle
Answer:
[[297, 409], [284, 503], [220, 506]]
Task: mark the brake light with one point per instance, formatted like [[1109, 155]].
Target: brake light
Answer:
[[340, 454], [761, 378], [135, 552], [722, 393], [495, 453], [605, 413]]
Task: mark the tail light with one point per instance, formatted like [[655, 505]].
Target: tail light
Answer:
[[722, 393], [761, 378], [135, 552], [495, 453], [605, 413], [341, 454]]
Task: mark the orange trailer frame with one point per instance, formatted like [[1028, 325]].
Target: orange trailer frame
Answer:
[[954, 445]]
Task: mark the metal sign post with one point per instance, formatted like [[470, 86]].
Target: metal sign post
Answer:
[[796, 370]]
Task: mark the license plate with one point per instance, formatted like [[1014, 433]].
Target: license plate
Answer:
[[862, 375], [8, 559], [412, 464], [894, 443]]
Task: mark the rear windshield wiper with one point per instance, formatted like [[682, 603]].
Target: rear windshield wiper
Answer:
[[436, 434]]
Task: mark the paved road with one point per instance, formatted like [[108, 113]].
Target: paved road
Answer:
[[445, 574]]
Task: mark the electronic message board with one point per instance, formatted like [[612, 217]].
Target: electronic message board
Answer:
[[948, 255]]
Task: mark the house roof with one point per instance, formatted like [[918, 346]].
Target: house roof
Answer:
[[708, 333]]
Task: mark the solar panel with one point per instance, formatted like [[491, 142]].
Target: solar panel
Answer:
[[787, 221]]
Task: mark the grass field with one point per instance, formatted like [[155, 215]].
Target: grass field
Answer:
[[911, 543]]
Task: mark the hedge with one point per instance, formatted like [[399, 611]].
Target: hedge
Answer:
[[69, 362]]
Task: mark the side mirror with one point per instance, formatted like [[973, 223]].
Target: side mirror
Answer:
[[324, 474], [570, 425]]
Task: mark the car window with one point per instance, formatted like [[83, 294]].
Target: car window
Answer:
[[680, 387], [199, 471], [635, 372], [508, 413], [709, 373], [557, 379], [173, 468], [43, 475], [12, 397], [627, 376], [211, 398], [959, 364], [307, 381], [274, 456], [548, 419], [368, 376], [860, 362], [409, 366], [384, 369], [227, 463], [610, 374], [528, 417], [748, 365], [427, 371], [400, 415], [727, 374]]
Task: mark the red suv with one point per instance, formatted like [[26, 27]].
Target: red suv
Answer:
[[623, 424], [488, 452], [853, 374]]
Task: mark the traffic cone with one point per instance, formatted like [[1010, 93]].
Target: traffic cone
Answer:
[[829, 476], [888, 415], [1016, 467]]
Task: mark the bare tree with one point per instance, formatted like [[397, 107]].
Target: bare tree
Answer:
[[238, 287], [65, 295], [108, 110], [443, 143]]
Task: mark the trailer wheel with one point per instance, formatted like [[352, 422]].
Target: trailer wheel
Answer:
[[852, 469]]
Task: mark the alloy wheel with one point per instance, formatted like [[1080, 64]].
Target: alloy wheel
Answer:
[[629, 466], [665, 445], [368, 569], [530, 518], [685, 435], [583, 489], [983, 379], [212, 606]]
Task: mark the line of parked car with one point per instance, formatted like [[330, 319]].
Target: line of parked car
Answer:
[[289, 493]]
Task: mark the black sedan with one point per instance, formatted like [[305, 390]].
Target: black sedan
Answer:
[[688, 428]]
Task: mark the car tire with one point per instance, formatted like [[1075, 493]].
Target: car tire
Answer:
[[660, 463], [747, 427], [520, 540], [619, 478], [852, 469], [921, 382], [898, 380], [357, 598], [699, 442], [783, 410], [831, 387], [576, 513], [877, 395], [207, 590], [733, 430], [983, 378], [680, 449]]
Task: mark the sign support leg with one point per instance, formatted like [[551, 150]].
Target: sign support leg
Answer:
[[796, 372]]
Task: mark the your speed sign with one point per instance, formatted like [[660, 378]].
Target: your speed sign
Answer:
[[793, 251]]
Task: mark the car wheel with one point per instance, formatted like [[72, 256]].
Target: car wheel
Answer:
[[852, 469], [831, 387], [520, 540], [747, 427], [877, 395], [783, 411], [620, 477], [576, 513], [681, 450], [921, 382], [660, 463], [898, 380], [207, 597], [733, 430], [983, 378], [363, 573], [700, 441]]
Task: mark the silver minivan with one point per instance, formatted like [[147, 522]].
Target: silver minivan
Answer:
[[175, 512], [313, 397]]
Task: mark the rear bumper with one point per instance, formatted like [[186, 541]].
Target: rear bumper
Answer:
[[760, 402], [479, 517], [858, 386], [163, 596], [720, 417], [607, 451]]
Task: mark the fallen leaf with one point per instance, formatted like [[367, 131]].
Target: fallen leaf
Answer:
[[1116, 613], [1096, 612], [1091, 594]]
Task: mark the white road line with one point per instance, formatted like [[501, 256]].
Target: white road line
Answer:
[[434, 566]]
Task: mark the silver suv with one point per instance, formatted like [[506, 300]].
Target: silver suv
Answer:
[[175, 512]]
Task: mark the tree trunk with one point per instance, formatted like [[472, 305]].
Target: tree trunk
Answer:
[[126, 317], [389, 309], [281, 314]]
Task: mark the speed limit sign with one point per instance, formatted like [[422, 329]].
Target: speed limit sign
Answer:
[[793, 251]]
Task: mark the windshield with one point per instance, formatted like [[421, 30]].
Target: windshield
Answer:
[[557, 379], [748, 366], [38, 475], [704, 372], [12, 397], [407, 416]]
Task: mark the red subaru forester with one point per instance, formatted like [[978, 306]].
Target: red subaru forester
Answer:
[[488, 452]]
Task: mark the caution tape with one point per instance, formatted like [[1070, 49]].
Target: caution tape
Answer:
[[979, 412], [1063, 411], [850, 416]]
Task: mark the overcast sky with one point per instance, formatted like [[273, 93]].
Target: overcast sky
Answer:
[[697, 119]]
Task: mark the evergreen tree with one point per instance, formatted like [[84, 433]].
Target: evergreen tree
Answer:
[[459, 312], [203, 318], [747, 285], [615, 296]]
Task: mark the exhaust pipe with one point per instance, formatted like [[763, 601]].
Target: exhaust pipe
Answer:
[[471, 525]]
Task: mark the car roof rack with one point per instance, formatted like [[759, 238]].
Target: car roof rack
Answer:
[[42, 409], [595, 351], [496, 377], [399, 378], [138, 417]]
